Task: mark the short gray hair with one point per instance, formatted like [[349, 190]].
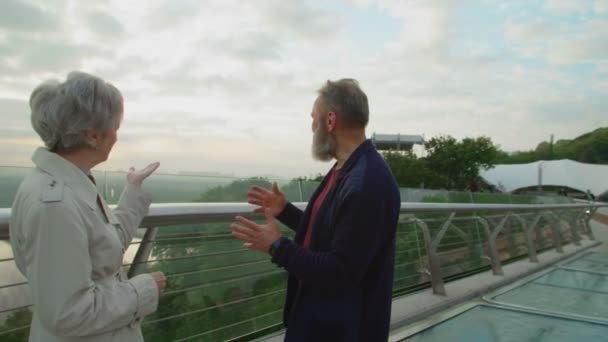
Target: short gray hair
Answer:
[[62, 112], [347, 100]]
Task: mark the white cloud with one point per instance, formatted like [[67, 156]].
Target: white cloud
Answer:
[[567, 7], [560, 43], [424, 23], [17, 139], [21, 16], [104, 24], [600, 6], [227, 86]]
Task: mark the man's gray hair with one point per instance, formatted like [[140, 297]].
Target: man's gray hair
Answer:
[[62, 112], [347, 100]]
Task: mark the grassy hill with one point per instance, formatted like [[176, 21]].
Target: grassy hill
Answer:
[[590, 148]]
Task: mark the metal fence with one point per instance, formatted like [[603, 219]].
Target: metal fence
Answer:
[[220, 291]]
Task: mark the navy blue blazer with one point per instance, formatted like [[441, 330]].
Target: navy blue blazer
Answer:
[[341, 288]]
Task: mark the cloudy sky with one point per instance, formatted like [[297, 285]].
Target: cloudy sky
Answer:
[[227, 85]]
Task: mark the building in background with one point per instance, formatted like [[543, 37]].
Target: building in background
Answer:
[[397, 142], [558, 177]]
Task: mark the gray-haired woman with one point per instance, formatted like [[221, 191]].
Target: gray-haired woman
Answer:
[[66, 241]]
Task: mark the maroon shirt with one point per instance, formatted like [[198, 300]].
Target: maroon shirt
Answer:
[[317, 204]]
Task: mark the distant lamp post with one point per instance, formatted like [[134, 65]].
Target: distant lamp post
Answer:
[[540, 177]]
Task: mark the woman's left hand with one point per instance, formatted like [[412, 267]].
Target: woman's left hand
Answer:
[[136, 177]]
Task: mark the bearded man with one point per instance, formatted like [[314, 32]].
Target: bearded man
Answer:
[[341, 260]]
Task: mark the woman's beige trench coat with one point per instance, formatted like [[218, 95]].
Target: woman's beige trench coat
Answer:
[[71, 255]]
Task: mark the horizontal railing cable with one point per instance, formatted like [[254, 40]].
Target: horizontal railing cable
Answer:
[[13, 285], [15, 308], [215, 269], [228, 326], [223, 282], [221, 305]]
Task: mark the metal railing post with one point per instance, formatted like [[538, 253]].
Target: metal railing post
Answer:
[[530, 230], [557, 235], [417, 241], [431, 245], [301, 191], [588, 225], [570, 219], [493, 249], [143, 252], [562, 218]]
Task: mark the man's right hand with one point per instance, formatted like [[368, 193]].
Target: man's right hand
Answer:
[[273, 201]]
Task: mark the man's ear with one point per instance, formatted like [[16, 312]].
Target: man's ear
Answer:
[[331, 121], [93, 137]]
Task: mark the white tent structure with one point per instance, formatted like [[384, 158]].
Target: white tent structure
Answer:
[[559, 173]]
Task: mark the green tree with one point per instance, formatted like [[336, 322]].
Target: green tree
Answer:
[[412, 172], [519, 157], [544, 150], [18, 325], [460, 162]]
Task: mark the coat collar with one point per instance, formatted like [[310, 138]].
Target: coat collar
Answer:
[[365, 146], [362, 149], [357, 153], [70, 174]]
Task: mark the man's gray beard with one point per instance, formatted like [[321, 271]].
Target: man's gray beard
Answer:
[[323, 145]]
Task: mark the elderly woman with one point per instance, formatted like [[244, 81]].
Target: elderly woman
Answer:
[[66, 240]]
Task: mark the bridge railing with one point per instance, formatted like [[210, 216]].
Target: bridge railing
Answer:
[[217, 290]]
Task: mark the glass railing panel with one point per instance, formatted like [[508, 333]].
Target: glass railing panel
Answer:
[[462, 248], [424, 195], [169, 188], [10, 178], [544, 199], [525, 199], [195, 187], [15, 298], [409, 257], [488, 198]]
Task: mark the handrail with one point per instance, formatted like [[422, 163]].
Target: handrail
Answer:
[[184, 213]]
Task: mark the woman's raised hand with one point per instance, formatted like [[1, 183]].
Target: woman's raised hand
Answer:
[[137, 177]]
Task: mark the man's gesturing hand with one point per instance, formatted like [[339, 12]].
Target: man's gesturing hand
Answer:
[[273, 201], [257, 237]]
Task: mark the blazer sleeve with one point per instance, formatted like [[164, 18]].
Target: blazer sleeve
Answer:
[[132, 207], [359, 234], [59, 268], [290, 216]]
